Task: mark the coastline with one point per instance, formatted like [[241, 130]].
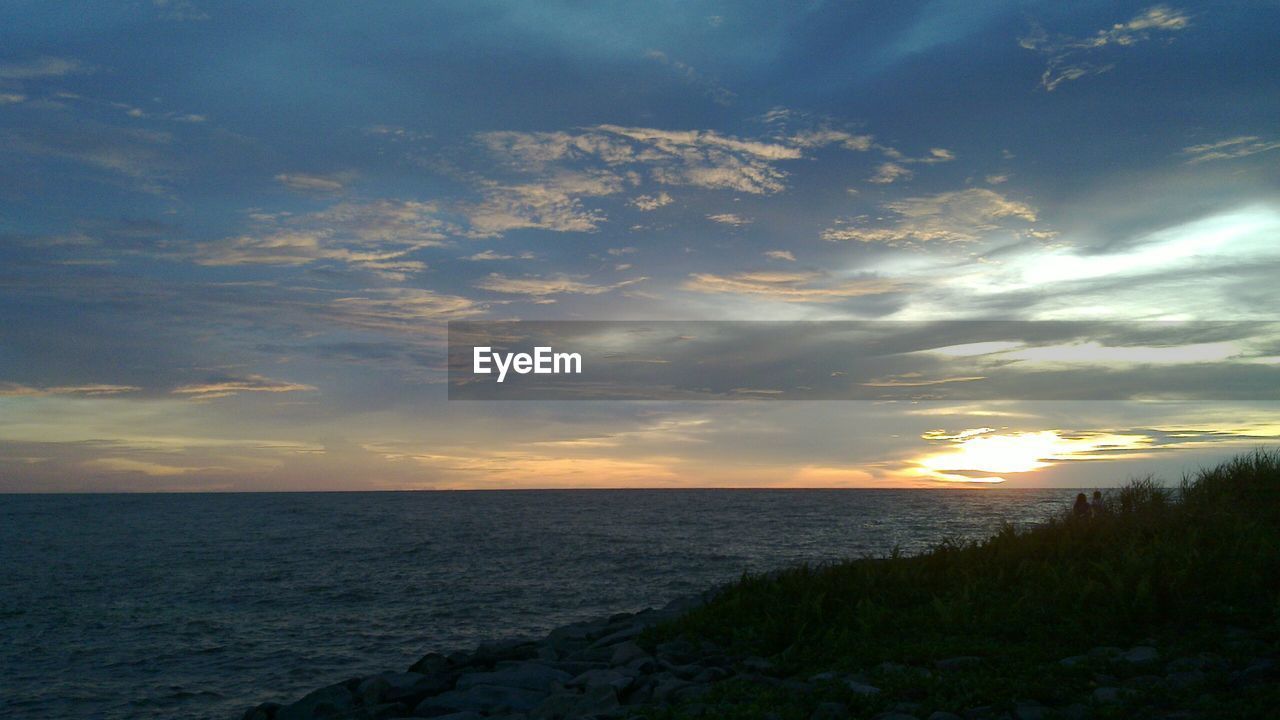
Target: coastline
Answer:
[[610, 668], [1153, 603]]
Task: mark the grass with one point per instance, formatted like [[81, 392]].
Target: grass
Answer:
[[1180, 566]]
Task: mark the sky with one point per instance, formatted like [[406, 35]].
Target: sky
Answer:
[[232, 234]]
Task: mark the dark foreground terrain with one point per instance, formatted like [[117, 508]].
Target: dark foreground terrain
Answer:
[[1164, 605]]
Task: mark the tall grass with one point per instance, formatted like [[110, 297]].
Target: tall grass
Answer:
[[1160, 561]]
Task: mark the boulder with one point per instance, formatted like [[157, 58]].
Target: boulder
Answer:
[[957, 663], [615, 679], [326, 701], [526, 676], [488, 699], [626, 652], [830, 711], [1184, 680], [1141, 655], [862, 689]]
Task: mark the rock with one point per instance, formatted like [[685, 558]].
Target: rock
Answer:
[[642, 666], [1184, 680], [678, 651], [1142, 682], [829, 711], [262, 711], [757, 665], [1205, 662], [431, 663], [490, 654], [895, 716], [329, 700], [710, 675], [893, 668], [599, 700], [1029, 711], [1105, 651], [957, 663], [526, 676], [625, 653], [619, 681], [666, 686], [392, 686], [1258, 671], [618, 636], [1107, 695], [1074, 661], [1075, 711], [829, 676], [942, 715], [468, 715], [862, 689], [691, 692], [684, 672], [1141, 655], [979, 712], [488, 699]]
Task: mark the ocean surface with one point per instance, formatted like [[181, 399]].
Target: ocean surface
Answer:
[[198, 606]]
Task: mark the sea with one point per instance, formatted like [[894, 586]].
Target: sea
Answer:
[[202, 605]]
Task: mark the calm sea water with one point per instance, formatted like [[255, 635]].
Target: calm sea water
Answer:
[[197, 606]]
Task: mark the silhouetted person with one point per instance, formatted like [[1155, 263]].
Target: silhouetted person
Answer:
[[1096, 507], [1081, 508]]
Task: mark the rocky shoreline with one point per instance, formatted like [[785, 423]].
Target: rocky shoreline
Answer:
[[596, 669]]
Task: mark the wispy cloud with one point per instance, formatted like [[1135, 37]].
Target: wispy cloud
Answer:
[[798, 287], [780, 255], [730, 219], [551, 204], [42, 67], [221, 387], [648, 203], [1229, 149], [1071, 58], [304, 182], [375, 236], [490, 255], [890, 172], [540, 287], [949, 217], [709, 87], [9, 389]]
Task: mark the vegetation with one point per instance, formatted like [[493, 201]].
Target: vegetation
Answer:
[[1191, 569]]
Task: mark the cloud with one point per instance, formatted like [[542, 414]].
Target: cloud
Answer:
[[543, 286], [487, 255], [312, 183], [399, 309], [950, 217], [826, 136], [553, 204], [730, 219], [1229, 149], [221, 387], [780, 255], [1071, 58], [890, 172], [12, 98], [696, 158], [798, 287], [712, 89], [647, 203], [9, 389], [43, 67], [374, 236]]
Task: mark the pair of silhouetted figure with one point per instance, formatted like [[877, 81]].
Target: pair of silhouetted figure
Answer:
[[1083, 508]]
